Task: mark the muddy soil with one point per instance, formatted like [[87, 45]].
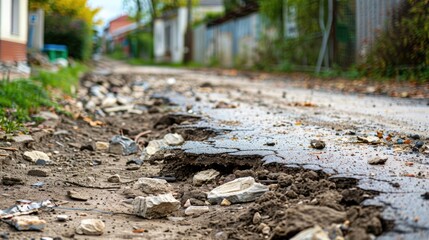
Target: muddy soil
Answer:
[[298, 199]]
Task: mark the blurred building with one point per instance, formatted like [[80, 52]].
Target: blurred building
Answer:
[[13, 30], [115, 34], [170, 29]]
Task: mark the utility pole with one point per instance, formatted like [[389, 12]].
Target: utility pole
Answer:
[[188, 34]]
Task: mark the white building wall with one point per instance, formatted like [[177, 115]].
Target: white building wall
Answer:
[[6, 19]]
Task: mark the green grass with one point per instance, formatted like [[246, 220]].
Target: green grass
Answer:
[[66, 79], [21, 98]]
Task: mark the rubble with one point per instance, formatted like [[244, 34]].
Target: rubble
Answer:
[[155, 206], [34, 156], [77, 196], [205, 176], [314, 233], [240, 190], [154, 146], [196, 210], [10, 181], [63, 218], [23, 139], [121, 145], [93, 227], [317, 144], [27, 223], [101, 146], [152, 185]]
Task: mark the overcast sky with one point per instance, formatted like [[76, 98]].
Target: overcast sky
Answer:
[[109, 9]]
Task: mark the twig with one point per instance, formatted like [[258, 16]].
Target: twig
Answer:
[[9, 148], [95, 187], [141, 135], [3, 155]]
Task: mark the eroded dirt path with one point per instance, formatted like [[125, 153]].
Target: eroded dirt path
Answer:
[[240, 127]]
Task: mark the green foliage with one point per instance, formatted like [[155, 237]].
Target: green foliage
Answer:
[[75, 34], [402, 50], [66, 79], [141, 44]]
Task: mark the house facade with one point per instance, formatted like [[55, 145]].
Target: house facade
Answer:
[[170, 30], [13, 30], [116, 33]]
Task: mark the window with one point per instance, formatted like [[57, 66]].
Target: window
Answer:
[[15, 17]]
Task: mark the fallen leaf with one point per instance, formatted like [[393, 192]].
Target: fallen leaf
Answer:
[[140, 230], [93, 123]]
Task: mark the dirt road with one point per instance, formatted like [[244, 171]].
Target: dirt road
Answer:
[[364, 176]]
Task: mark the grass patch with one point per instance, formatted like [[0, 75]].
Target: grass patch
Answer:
[[21, 98]]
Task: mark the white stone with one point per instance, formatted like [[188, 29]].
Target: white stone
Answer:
[[196, 210], [154, 146], [155, 206], [47, 115], [109, 101], [377, 160], [152, 185], [124, 108], [238, 191], [315, 233], [187, 203], [114, 179], [173, 139], [91, 227], [33, 156], [62, 218], [205, 176]]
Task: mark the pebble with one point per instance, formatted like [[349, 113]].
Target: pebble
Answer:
[[23, 139], [62, 218], [76, 196], [24, 223], [317, 144], [114, 179], [225, 202], [419, 144], [377, 160], [204, 176], [256, 218], [264, 228], [173, 139], [91, 227], [196, 210], [101, 146], [39, 172], [34, 156], [10, 181]]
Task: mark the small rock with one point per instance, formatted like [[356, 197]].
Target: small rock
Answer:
[[173, 139], [377, 160], [312, 234], [205, 176], [45, 115], [238, 191], [419, 144], [225, 202], [76, 196], [154, 146], [10, 181], [122, 146], [61, 132], [62, 218], [370, 139], [152, 185], [123, 108], [91, 227], [155, 206], [264, 228], [317, 144], [25, 223], [114, 179], [109, 101], [33, 156], [23, 139], [101, 146], [187, 203], [39, 172], [256, 218], [415, 136], [196, 210]]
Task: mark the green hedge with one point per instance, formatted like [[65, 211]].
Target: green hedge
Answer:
[[75, 34]]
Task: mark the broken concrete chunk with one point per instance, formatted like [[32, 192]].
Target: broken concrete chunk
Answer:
[[173, 139], [91, 227], [28, 223], [101, 146], [39, 172], [314, 233], [196, 210], [33, 156], [152, 185], [205, 176], [238, 191], [377, 160], [154, 146], [155, 206], [122, 145], [23, 139]]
